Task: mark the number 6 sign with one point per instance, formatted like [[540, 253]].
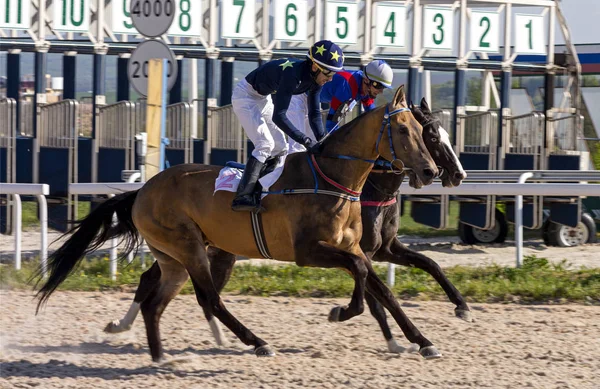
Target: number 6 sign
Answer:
[[291, 20]]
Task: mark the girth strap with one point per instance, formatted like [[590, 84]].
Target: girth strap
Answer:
[[259, 235]]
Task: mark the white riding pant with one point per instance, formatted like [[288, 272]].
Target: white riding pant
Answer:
[[298, 115], [255, 113]]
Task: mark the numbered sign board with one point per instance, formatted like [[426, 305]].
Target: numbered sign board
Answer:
[[485, 32], [15, 14], [152, 18], [341, 20], [390, 22], [187, 20], [529, 34], [121, 17], [438, 28], [71, 15], [291, 20], [137, 67], [237, 19]]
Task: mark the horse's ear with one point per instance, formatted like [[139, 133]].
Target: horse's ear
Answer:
[[425, 106], [399, 98]]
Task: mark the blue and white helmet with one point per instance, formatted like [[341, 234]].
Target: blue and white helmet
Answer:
[[328, 55], [379, 71]]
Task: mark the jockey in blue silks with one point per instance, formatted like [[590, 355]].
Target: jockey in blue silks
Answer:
[[347, 89], [261, 102]]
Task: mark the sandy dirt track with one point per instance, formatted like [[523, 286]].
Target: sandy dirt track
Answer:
[[509, 346]]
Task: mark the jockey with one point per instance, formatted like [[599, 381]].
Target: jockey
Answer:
[[345, 90], [261, 102]]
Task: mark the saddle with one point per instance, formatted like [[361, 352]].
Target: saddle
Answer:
[[268, 167]]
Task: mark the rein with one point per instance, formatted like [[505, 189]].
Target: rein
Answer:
[[349, 194]]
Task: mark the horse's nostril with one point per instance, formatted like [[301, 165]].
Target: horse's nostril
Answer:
[[428, 173], [459, 176]]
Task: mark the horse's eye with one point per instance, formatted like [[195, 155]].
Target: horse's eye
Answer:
[[434, 140], [403, 129]]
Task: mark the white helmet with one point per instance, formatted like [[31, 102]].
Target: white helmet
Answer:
[[380, 72]]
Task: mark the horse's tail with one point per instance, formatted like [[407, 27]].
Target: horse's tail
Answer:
[[88, 235]]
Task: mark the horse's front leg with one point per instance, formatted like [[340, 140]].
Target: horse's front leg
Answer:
[[384, 295], [327, 256], [399, 254]]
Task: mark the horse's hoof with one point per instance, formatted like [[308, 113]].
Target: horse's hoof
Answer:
[[334, 315], [395, 347], [430, 352], [115, 327], [464, 314], [264, 351]]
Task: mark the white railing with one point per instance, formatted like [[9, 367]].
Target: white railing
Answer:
[[39, 191]]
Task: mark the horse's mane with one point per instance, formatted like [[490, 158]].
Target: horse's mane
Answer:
[[350, 125]]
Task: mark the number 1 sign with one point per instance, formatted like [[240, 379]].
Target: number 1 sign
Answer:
[[529, 34]]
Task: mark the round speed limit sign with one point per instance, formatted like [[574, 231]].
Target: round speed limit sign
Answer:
[[152, 18], [137, 68]]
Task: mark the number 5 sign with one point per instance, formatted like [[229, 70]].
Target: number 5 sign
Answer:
[[484, 32], [438, 23], [237, 19], [341, 18], [291, 20]]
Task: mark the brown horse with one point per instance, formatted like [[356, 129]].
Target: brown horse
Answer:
[[380, 216], [178, 215]]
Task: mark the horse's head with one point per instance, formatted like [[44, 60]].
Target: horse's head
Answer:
[[403, 143], [437, 141]]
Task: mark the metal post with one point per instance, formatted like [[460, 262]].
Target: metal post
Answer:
[[69, 74], [122, 79], [226, 81], [503, 115], [209, 87], [413, 84], [13, 80], [44, 233], [519, 220], [460, 100], [17, 215], [175, 95]]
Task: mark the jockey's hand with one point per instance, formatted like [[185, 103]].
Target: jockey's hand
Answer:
[[312, 146]]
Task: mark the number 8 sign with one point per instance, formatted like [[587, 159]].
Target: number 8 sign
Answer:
[[291, 20]]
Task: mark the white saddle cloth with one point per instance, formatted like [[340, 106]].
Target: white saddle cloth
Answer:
[[229, 178]]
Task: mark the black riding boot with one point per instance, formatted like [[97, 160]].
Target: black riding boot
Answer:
[[245, 198]]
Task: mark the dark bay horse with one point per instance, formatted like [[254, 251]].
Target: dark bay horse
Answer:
[[380, 215], [178, 215]]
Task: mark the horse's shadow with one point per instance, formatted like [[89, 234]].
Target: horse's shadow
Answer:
[[59, 369], [443, 248]]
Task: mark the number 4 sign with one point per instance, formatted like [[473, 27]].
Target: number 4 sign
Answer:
[[390, 22]]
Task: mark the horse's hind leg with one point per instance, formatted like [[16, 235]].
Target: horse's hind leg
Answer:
[[173, 277], [399, 254], [208, 297], [378, 313], [148, 282], [221, 267], [383, 294]]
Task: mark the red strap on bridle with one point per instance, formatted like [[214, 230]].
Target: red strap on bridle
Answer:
[[330, 181], [378, 203]]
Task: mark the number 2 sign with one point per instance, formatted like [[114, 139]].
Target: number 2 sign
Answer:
[[484, 32]]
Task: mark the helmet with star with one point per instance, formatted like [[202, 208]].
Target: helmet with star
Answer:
[[327, 54]]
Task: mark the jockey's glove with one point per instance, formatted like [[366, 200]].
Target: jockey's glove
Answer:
[[312, 146]]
